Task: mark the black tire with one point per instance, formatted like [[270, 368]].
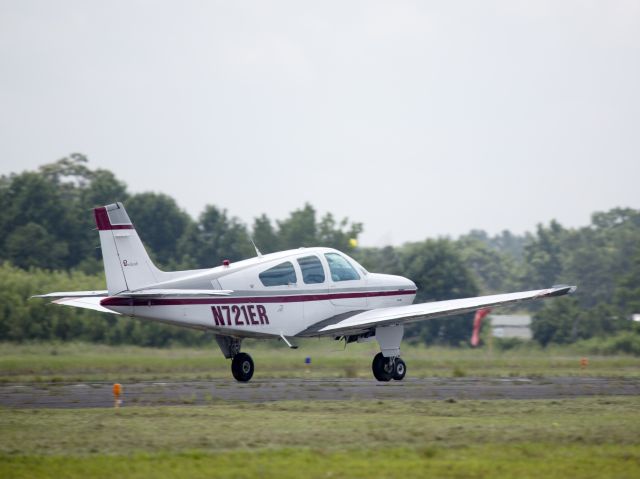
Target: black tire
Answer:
[[242, 367], [381, 368], [399, 370]]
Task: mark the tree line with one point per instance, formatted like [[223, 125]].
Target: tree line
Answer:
[[48, 242], [45, 222]]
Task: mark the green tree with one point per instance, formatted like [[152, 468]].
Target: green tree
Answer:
[[495, 272], [31, 245], [160, 223], [33, 210], [214, 238], [380, 260], [337, 235], [627, 293], [440, 274], [103, 189], [299, 229], [57, 199], [563, 321], [543, 256], [597, 256], [264, 235], [556, 322]]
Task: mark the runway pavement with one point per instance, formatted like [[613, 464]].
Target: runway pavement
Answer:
[[155, 393]]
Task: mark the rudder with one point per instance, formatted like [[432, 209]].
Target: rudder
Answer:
[[127, 265]]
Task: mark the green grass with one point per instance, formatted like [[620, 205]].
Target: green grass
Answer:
[[585, 437], [332, 425], [87, 362], [519, 461], [595, 437]]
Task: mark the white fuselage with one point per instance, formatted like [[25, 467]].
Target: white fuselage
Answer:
[[288, 293]]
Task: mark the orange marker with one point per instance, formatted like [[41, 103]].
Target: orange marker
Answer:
[[117, 390]]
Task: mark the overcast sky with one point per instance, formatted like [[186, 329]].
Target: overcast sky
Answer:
[[418, 119]]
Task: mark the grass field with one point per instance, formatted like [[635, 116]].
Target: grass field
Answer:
[[569, 438], [585, 437], [87, 362]]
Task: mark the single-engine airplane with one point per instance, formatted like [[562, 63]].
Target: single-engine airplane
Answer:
[[300, 293]]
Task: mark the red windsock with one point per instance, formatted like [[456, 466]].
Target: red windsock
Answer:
[[477, 323]]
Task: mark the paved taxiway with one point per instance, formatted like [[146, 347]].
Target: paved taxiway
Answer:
[[155, 393]]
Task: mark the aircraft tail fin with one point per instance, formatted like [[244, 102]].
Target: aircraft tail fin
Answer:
[[127, 265]]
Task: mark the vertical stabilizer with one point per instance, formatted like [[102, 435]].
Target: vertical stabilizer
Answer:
[[127, 265]]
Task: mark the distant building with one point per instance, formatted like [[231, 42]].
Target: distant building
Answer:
[[511, 326]]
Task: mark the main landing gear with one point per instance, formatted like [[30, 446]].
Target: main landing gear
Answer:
[[241, 363], [387, 364], [386, 369], [242, 367]]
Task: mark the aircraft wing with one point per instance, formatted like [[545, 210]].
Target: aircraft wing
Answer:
[[437, 309]]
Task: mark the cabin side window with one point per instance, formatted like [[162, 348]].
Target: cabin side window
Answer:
[[341, 269], [312, 270], [280, 275]]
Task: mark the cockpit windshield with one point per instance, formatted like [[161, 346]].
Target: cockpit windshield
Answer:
[[340, 268]]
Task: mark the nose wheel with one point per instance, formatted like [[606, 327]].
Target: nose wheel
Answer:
[[386, 369], [242, 367]]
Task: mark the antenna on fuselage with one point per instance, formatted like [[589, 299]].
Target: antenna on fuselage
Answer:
[[258, 253]]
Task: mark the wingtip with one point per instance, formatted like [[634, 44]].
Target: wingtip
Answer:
[[562, 289]]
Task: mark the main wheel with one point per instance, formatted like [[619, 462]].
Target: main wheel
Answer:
[[242, 367], [399, 369], [382, 367]]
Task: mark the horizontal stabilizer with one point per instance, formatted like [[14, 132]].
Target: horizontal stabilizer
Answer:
[[73, 294], [85, 303]]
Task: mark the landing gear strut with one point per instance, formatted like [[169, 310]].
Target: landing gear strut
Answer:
[[386, 369]]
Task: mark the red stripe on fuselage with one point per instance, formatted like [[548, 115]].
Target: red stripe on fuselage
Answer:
[[293, 298]]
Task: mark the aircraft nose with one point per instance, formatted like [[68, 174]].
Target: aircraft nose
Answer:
[[407, 283]]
